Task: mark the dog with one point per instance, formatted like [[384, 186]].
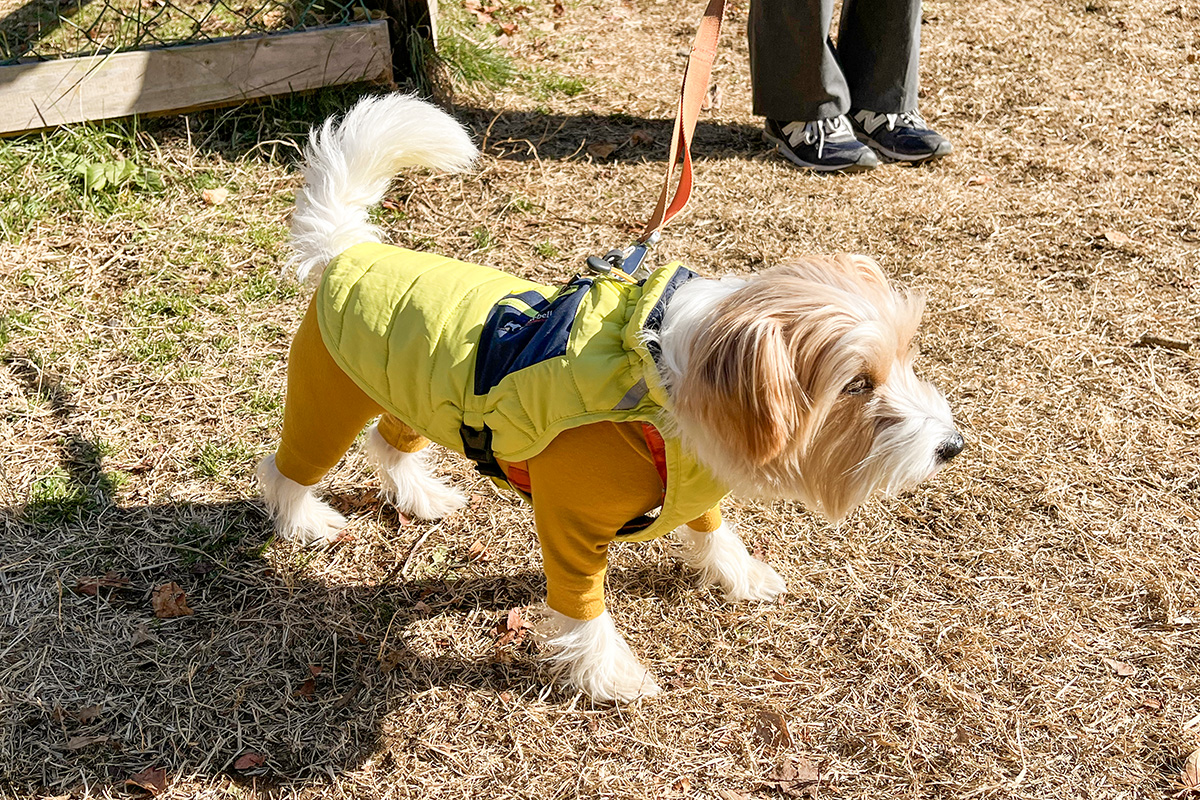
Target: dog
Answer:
[[601, 401]]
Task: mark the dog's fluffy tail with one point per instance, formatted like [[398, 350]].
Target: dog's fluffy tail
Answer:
[[351, 162]]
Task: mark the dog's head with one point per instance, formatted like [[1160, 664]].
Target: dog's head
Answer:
[[800, 384]]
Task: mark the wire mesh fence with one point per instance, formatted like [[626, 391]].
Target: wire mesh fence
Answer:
[[33, 30]]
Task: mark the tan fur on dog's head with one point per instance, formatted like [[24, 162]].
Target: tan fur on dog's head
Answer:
[[800, 385]]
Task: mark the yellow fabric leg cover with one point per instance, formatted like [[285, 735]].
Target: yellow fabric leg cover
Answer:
[[325, 410], [707, 523], [400, 436]]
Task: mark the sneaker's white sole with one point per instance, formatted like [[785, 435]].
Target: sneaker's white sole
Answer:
[[892, 157]]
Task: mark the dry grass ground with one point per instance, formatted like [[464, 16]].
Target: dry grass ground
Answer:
[[1027, 625]]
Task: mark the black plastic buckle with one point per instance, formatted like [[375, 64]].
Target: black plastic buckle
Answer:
[[477, 446]]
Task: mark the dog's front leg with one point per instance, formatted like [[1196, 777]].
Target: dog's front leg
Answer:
[[581, 640], [712, 547]]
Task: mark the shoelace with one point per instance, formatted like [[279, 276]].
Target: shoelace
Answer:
[[818, 132], [907, 119]]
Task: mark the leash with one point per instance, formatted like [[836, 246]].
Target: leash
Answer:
[[624, 263]]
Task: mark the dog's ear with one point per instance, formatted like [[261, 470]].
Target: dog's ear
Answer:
[[742, 386]]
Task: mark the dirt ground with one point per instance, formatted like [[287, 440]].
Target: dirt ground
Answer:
[[1026, 625]]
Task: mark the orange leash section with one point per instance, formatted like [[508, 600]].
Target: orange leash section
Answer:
[[691, 96]]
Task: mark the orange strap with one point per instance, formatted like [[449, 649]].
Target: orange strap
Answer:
[[691, 97]]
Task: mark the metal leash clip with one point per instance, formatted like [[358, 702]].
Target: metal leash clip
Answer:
[[624, 264]]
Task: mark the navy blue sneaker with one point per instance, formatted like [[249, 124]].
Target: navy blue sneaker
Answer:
[[899, 137], [825, 145]]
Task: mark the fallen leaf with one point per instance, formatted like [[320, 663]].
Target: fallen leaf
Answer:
[[1121, 669], [422, 607], [1117, 237], [169, 601], [315, 670], [509, 28], [601, 149], [1190, 777], [152, 779], [641, 137], [771, 728], [684, 785], [247, 761], [390, 660], [477, 551], [88, 715], [214, 197], [140, 636], [961, 736], [511, 629], [559, 8], [92, 586], [308, 688], [796, 777], [1151, 704]]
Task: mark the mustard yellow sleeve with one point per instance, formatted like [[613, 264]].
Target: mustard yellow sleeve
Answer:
[[400, 436], [586, 484], [709, 522], [324, 411]]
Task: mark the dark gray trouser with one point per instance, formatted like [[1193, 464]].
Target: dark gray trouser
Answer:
[[798, 74]]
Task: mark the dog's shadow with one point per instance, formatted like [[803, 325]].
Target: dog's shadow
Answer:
[[287, 664]]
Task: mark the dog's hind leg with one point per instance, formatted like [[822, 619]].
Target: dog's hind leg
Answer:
[[401, 456], [325, 411], [713, 548]]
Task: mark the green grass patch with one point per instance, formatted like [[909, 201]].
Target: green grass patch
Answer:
[[547, 250], [222, 459], [96, 169]]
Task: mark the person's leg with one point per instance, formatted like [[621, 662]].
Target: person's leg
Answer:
[[325, 410], [794, 74], [799, 87], [878, 45]]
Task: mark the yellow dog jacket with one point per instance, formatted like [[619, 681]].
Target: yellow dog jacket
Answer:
[[494, 366]]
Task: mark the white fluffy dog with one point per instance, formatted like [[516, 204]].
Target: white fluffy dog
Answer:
[[796, 382]]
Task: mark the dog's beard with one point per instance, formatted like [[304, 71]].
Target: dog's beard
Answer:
[[764, 389]]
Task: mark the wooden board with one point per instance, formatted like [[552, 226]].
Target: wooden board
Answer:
[[50, 93]]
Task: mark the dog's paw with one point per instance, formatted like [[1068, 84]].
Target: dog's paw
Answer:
[[406, 481], [315, 525], [298, 515], [758, 581], [593, 657], [432, 500], [721, 559]]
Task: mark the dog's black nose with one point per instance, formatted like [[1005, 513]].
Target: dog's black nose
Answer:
[[950, 448]]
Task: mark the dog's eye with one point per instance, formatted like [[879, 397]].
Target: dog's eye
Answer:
[[860, 385]]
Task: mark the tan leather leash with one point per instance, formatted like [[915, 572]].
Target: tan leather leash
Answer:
[[691, 98], [694, 87]]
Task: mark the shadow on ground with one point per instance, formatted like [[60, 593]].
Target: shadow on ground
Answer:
[[281, 673]]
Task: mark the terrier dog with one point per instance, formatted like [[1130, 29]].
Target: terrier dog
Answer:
[[621, 410]]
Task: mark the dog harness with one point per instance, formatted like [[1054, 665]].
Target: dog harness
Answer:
[[495, 367]]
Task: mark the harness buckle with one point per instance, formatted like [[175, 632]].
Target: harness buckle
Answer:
[[477, 446], [625, 264]]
